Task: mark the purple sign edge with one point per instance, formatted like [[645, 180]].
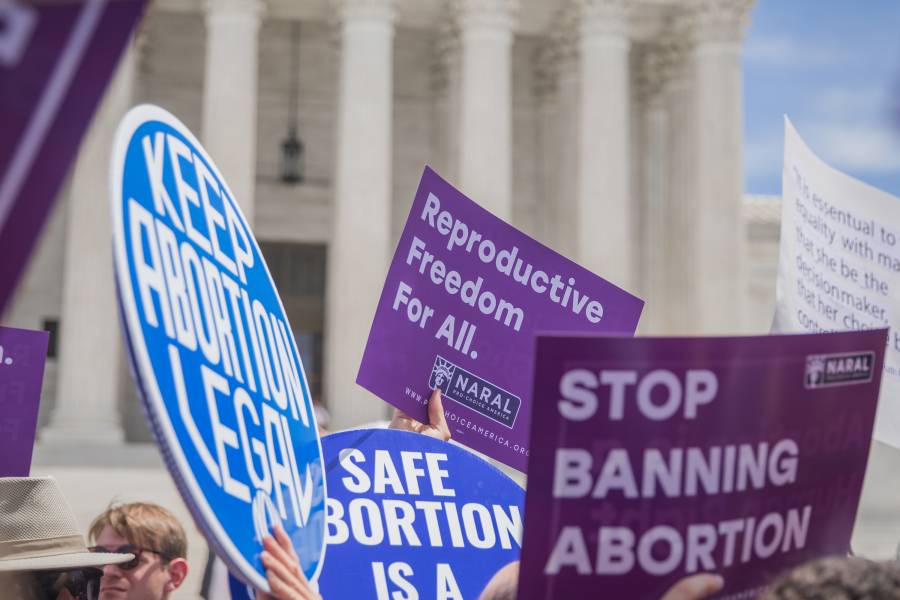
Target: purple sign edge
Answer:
[[51, 164], [25, 453]]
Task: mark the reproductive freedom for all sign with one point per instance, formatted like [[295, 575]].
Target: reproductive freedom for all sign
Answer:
[[464, 295], [655, 459], [211, 348], [22, 356], [412, 517]]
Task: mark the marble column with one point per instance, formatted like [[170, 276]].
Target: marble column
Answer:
[[678, 304], [229, 94], [90, 340], [359, 253], [604, 190], [446, 87], [653, 225], [485, 130], [546, 92], [717, 26], [567, 199]]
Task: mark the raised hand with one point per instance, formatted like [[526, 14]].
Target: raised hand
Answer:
[[695, 587], [286, 579], [437, 423]]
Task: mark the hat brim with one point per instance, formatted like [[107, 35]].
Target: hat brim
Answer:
[[64, 562]]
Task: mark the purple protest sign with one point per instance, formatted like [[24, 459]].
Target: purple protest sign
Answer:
[[463, 298], [55, 61], [22, 356], [654, 459]]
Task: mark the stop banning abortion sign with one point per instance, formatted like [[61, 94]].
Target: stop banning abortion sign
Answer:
[[654, 459], [212, 349]]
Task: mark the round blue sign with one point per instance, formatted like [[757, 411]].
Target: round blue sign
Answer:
[[211, 348], [413, 517]]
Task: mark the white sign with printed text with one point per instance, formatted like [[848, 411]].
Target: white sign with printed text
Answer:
[[839, 264]]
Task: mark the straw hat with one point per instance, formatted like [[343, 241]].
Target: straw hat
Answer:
[[38, 530]]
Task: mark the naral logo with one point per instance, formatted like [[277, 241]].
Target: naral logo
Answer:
[[838, 369], [474, 392], [5, 360], [442, 373]]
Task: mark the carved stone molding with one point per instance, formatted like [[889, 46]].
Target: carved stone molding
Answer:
[[377, 10], [445, 55], [566, 38], [653, 71], [675, 49], [580, 20], [604, 17], [546, 71], [718, 20], [255, 8], [487, 14]]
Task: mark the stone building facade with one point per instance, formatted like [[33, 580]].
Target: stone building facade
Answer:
[[610, 130]]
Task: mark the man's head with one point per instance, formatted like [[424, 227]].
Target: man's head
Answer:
[[42, 553], [838, 579], [159, 545], [71, 584]]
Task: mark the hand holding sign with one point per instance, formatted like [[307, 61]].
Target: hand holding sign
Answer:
[[503, 585], [286, 580], [437, 422], [695, 587]]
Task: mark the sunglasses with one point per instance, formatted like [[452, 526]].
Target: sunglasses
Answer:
[[129, 549], [82, 584]]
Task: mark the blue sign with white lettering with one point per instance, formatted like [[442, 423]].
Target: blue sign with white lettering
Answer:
[[211, 348], [410, 516]]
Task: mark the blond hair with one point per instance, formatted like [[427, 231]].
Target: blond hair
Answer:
[[146, 525]]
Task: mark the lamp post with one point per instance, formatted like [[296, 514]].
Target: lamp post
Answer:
[[292, 164], [292, 167]]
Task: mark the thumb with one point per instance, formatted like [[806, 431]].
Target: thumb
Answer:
[[436, 416]]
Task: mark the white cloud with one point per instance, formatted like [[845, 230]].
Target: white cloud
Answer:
[[785, 52], [856, 147], [852, 129], [842, 102], [860, 144]]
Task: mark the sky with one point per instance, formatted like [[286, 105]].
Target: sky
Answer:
[[832, 66]]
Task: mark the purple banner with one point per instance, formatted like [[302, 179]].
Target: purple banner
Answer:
[[22, 356], [654, 459], [55, 61], [463, 298]]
